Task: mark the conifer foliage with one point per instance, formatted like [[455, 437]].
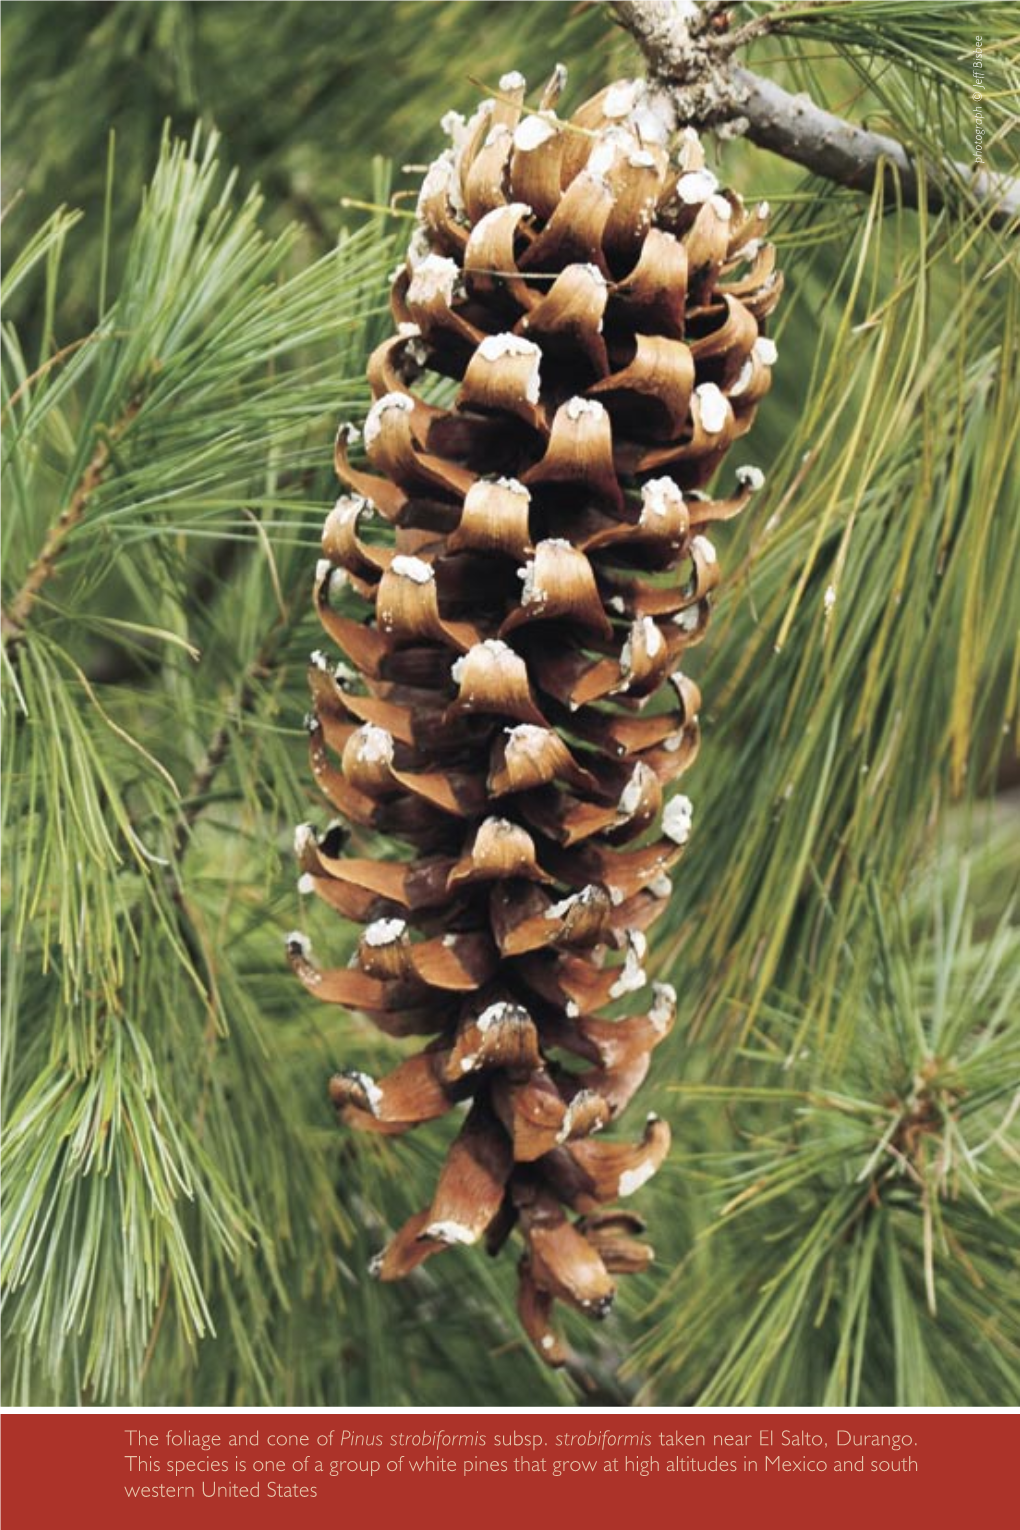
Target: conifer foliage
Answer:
[[514, 711], [835, 1221]]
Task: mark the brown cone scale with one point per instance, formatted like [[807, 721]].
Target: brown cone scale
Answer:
[[512, 578]]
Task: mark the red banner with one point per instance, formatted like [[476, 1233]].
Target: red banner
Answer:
[[500, 1470]]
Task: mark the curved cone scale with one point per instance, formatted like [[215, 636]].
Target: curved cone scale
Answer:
[[563, 1262], [503, 1037], [615, 1169], [615, 1236], [473, 1181], [494, 518], [569, 320], [510, 581], [413, 1092], [534, 1308], [407, 1250], [533, 1113]]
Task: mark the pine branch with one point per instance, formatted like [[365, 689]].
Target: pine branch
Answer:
[[839, 151], [126, 465], [14, 621], [687, 51], [872, 1165]]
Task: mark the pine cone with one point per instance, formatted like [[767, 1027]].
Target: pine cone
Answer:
[[532, 546]]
